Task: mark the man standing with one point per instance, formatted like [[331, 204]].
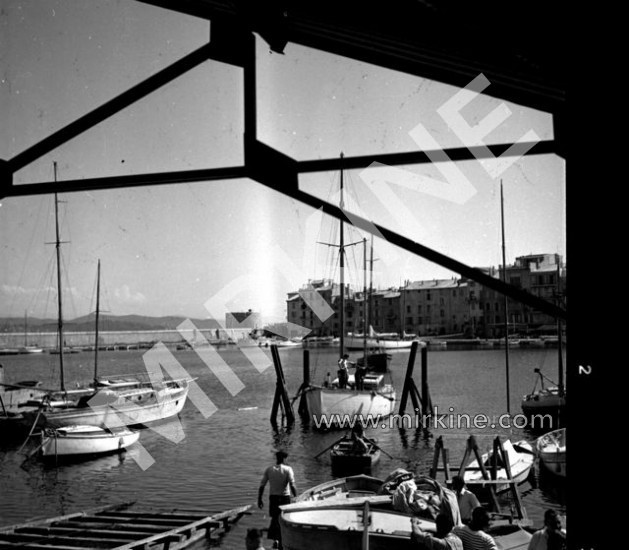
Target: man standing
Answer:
[[344, 364], [281, 485], [466, 499]]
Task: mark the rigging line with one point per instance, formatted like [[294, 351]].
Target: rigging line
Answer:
[[29, 249]]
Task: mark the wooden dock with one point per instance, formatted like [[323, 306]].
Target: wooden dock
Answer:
[[117, 527]]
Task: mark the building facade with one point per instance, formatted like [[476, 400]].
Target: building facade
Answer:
[[440, 307]]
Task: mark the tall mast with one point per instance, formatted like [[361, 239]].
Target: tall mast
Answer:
[[504, 280], [365, 301], [96, 329], [559, 344], [369, 320], [25, 330], [342, 268], [59, 298]]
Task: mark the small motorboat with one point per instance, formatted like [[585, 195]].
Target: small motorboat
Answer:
[[82, 440], [348, 458], [551, 448], [521, 457]]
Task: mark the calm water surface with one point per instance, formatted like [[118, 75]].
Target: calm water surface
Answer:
[[219, 462]]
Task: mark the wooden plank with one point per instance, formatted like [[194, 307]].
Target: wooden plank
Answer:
[[46, 521], [148, 514], [78, 542], [146, 529], [70, 531], [156, 522], [34, 546], [194, 531]]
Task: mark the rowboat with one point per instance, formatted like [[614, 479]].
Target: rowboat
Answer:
[[521, 457], [353, 513], [346, 458], [121, 527], [85, 440], [551, 448]]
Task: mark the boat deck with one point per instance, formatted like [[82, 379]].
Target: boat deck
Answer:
[[117, 527]]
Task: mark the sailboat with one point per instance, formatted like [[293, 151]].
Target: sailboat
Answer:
[[132, 402], [337, 405], [26, 348]]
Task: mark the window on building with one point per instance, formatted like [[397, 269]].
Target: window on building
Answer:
[[420, 321], [442, 313], [428, 309], [408, 309], [419, 309], [428, 296], [409, 321], [515, 281], [441, 301]]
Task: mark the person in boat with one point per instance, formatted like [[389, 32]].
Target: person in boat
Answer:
[[466, 499], [281, 479], [253, 540], [473, 535], [343, 373], [444, 539], [551, 536], [357, 436], [359, 376]]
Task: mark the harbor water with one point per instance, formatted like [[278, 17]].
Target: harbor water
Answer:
[[218, 461]]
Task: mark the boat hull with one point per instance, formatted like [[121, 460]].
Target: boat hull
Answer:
[[520, 463], [342, 527], [347, 462], [335, 407], [86, 440], [551, 448], [130, 408], [357, 343]]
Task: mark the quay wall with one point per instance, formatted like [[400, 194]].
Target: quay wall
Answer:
[[72, 339]]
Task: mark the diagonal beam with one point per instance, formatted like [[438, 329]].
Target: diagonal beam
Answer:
[[455, 154], [117, 182]]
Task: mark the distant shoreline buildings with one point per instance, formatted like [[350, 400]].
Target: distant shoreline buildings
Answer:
[[441, 306]]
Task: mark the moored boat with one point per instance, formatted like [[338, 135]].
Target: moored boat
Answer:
[[360, 512], [521, 457], [77, 440], [551, 448], [346, 457]]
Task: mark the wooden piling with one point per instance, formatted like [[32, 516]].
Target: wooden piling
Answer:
[[281, 398], [420, 402], [303, 403]]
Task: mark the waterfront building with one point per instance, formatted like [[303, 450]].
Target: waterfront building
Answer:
[[439, 307]]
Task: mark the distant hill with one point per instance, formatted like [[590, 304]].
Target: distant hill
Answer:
[[107, 323]]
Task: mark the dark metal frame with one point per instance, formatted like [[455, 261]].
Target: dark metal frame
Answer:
[[233, 42]]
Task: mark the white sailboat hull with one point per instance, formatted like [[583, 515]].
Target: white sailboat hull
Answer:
[[131, 407], [85, 440], [520, 464], [357, 343], [337, 405]]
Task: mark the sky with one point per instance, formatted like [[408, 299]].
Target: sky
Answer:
[[171, 250]]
